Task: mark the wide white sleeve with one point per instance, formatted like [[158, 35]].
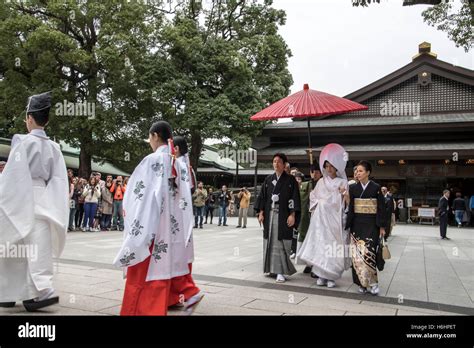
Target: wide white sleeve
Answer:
[[313, 197], [54, 205], [17, 210], [142, 206], [345, 207], [185, 203]]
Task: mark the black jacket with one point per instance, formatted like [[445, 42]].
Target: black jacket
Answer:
[[443, 206], [389, 208], [211, 200], [289, 201], [224, 198], [459, 204]]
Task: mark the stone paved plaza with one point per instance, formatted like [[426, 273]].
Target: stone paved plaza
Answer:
[[425, 276]]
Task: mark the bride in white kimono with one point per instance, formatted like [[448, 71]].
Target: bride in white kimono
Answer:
[[326, 246]]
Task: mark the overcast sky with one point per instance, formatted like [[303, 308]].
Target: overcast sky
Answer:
[[338, 48]]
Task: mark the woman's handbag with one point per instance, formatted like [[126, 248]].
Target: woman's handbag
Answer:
[[385, 252], [379, 260]]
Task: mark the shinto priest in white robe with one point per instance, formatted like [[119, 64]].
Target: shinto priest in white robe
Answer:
[[34, 213], [157, 219], [326, 246]]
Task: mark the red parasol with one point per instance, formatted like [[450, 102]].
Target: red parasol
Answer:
[[305, 104]]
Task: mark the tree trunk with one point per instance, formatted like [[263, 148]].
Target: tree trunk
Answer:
[[85, 160], [85, 157], [236, 179], [196, 148]]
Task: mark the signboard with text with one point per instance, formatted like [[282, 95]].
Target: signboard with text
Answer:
[[427, 170], [426, 212]]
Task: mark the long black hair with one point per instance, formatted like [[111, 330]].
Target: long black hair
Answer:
[[182, 144], [163, 129]]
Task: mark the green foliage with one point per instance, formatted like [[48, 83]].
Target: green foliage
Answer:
[[226, 62], [206, 67], [363, 3], [457, 24]]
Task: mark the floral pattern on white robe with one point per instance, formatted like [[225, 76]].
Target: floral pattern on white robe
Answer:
[[151, 225]]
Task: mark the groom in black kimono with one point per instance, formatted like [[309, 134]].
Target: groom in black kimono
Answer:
[[279, 210]]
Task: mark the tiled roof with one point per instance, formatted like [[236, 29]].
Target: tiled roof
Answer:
[[413, 147], [348, 120]]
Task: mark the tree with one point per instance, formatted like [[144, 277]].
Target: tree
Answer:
[[219, 65], [457, 24], [89, 53], [204, 69]]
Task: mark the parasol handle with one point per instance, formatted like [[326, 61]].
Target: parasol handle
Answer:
[[309, 143]]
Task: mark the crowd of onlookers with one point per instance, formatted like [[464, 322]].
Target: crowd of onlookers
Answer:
[[95, 204], [206, 201]]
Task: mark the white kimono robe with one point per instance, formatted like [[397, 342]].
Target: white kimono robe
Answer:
[[34, 214], [151, 219], [326, 246]]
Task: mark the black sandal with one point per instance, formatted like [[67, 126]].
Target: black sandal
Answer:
[[33, 306], [7, 304]]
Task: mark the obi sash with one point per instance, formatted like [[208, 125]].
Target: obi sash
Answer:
[[365, 205]]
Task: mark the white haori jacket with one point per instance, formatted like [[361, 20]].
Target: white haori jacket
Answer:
[[152, 224]]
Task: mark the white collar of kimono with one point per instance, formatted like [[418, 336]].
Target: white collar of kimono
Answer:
[[365, 186], [39, 133], [330, 181], [162, 148], [337, 156], [274, 181], [186, 159], [278, 176]]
